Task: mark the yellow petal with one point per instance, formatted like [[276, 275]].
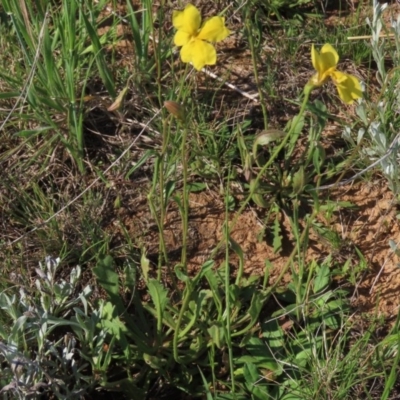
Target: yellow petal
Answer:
[[186, 52], [317, 79], [188, 20], [324, 62], [181, 38], [200, 53], [203, 54], [214, 30], [348, 86], [329, 57]]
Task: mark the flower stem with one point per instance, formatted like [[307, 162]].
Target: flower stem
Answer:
[[256, 76], [185, 195]]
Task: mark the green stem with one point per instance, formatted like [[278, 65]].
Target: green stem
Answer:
[[185, 196], [228, 300], [163, 249], [256, 76], [299, 273], [165, 134], [159, 219]]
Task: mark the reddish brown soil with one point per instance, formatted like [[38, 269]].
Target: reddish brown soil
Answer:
[[369, 227]]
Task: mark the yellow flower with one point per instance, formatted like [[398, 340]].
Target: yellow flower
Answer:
[[325, 63], [195, 38]]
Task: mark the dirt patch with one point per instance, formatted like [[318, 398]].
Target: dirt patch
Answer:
[[206, 223], [368, 227]]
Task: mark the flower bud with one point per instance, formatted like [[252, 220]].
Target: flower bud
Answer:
[[175, 109]]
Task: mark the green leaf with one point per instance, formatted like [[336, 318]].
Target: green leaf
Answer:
[[207, 266], [108, 356], [106, 275], [257, 196], [319, 156], [332, 321], [117, 327], [205, 385], [140, 31], [299, 180], [261, 362], [103, 69], [277, 241], [298, 123], [181, 273], [32, 132], [239, 252], [212, 279], [169, 189], [159, 296], [216, 333], [322, 279], [264, 138], [196, 187], [130, 273], [253, 377], [232, 396], [139, 163], [250, 372], [274, 334], [9, 95], [109, 280], [155, 362], [257, 302]]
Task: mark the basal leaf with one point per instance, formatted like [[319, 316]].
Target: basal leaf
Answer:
[[159, 296], [322, 279]]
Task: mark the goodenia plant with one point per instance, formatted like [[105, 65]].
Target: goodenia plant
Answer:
[[349, 89]]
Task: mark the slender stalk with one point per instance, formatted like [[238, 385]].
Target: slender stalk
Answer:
[[185, 195], [228, 299], [159, 216], [300, 270], [256, 76], [163, 257], [162, 249]]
